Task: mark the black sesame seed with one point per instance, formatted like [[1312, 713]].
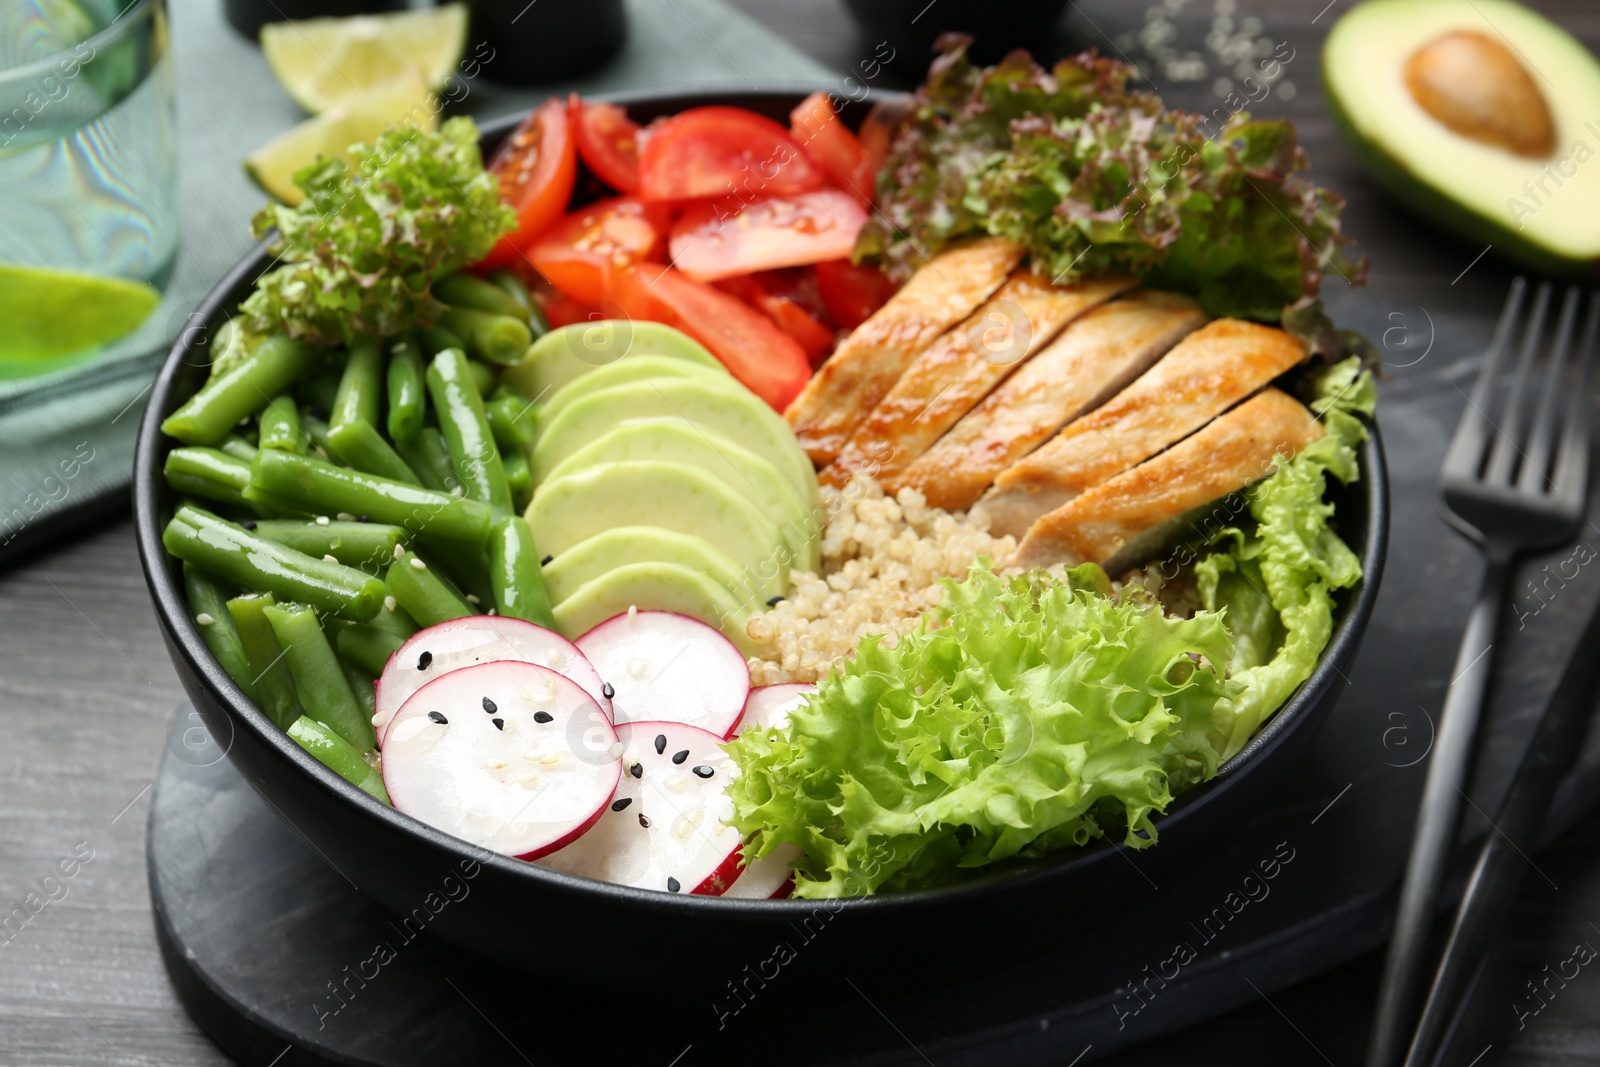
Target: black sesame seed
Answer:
[[490, 706], [637, 770], [499, 724], [248, 524], [607, 690], [542, 716], [672, 885], [775, 601], [704, 771], [546, 561], [362, 518], [424, 661], [644, 820], [661, 743], [618, 805], [438, 717], [679, 757]]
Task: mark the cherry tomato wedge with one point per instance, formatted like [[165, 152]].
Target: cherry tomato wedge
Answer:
[[537, 166], [793, 319], [851, 293], [608, 142], [783, 231], [768, 361], [721, 151], [831, 146], [578, 253]]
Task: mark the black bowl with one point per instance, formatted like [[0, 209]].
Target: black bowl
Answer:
[[536, 919]]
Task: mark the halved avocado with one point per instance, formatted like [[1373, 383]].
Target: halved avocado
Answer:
[[659, 587], [632, 369], [569, 510], [618, 547], [676, 441], [568, 353], [1479, 114]]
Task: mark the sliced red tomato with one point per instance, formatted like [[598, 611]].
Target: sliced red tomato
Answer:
[[851, 293], [793, 319], [877, 130], [831, 146], [722, 151], [579, 252], [710, 242], [608, 142], [768, 361], [537, 166], [562, 310]]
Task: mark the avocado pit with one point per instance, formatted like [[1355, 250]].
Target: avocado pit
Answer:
[[1473, 85]]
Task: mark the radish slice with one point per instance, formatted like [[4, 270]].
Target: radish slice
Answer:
[[508, 755], [436, 651], [667, 828], [769, 877], [769, 706], [666, 667]]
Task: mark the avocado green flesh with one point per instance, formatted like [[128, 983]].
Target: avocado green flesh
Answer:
[[1539, 211], [632, 369], [566, 354], [674, 441], [624, 545], [658, 587], [584, 504]]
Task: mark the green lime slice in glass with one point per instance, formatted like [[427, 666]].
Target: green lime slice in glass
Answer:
[[51, 314]]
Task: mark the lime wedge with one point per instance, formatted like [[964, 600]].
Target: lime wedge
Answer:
[[358, 120], [52, 313], [324, 62]]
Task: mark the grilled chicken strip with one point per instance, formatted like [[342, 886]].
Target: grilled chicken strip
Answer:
[[960, 368], [1088, 362], [1175, 495], [1208, 372], [869, 361]]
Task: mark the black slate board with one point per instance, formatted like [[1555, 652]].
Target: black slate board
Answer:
[[263, 939]]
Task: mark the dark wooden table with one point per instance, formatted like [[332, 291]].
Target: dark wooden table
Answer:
[[86, 691]]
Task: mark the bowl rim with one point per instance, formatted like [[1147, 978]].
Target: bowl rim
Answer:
[[184, 638]]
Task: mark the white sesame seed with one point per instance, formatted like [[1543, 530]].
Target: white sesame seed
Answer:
[[550, 760], [491, 611], [322, 520], [330, 558], [399, 551], [633, 612], [205, 619], [472, 599], [390, 603], [617, 750], [417, 564], [497, 765], [457, 491], [345, 516]]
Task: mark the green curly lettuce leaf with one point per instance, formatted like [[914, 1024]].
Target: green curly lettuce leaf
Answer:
[[1275, 579], [1092, 177], [1030, 715], [363, 249]]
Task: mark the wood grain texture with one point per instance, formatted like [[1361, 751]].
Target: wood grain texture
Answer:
[[86, 690]]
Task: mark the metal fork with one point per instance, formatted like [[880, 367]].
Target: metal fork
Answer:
[[1511, 484]]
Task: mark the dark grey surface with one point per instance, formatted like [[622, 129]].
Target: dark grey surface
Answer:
[[85, 690]]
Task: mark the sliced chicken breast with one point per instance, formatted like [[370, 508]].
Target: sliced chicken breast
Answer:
[[1088, 362], [868, 362], [960, 368], [1175, 496], [1208, 372]]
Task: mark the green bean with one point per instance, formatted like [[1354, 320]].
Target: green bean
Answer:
[[436, 339], [519, 477], [334, 753], [368, 646], [237, 447], [391, 620], [363, 448], [516, 574], [280, 425], [466, 432], [230, 551], [318, 678], [496, 338], [367, 546], [427, 598], [427, 455], [223, 401], [466, 291], [209, 473], [511, 418], [208, 605], [361, 682], [468, 575], [407, 400], [353, 422], [283, 479], [512, 285], [316, 431], [269, 674], [482, 376]]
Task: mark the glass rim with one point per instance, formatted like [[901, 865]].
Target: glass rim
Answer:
[[112, 32]]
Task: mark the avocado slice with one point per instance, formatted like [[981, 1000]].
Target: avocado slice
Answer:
[[660, 587], [566, 354], [727, 408], [676, 441], [632, 369], [569, 510], [1483, 116], [618, 547]]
